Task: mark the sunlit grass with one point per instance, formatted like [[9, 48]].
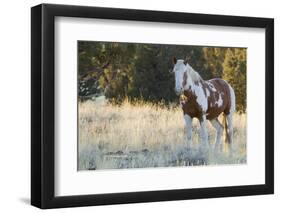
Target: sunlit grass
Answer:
[[143, 135]]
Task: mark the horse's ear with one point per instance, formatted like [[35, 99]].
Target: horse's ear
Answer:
[[185, 61], [174, 60]]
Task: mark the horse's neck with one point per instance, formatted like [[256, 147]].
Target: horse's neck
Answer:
[[196, 80], [195, 75], [198, 83]]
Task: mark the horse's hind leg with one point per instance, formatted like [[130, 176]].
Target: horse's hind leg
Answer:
[[204, 133], [219, 130], [229, 128]]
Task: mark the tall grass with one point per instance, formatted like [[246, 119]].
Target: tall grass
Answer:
[[143, 135]]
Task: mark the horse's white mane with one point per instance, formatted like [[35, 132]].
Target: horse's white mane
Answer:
[[192, 73]]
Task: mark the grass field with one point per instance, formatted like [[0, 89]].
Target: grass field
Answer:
[[145, 135]]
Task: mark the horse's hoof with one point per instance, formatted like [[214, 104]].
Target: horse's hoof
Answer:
[[218, 148], [203, 150], [188, 148]]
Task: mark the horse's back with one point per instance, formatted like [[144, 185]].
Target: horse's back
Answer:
[[220, 98]]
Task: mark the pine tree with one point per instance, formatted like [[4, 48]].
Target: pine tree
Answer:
[[235, 65], [151, 78], [120, 70], [214, 59]]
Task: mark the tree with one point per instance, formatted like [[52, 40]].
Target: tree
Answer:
[[101, 66], [129, 70], [214, 59], [235, 66]]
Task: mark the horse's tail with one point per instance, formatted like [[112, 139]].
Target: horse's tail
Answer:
[[227, 139], [232, 100]]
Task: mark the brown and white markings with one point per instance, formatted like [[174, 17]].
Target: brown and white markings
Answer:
[[204, 100]]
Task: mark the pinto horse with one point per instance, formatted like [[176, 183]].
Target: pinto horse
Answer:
[[204, 100]]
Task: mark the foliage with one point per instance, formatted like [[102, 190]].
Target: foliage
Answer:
[[133, 71], [214, 58], [235, 65]]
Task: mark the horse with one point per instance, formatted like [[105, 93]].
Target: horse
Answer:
[[204, 100]]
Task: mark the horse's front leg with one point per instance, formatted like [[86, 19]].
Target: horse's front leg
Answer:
[[188, 126], [204, 133]]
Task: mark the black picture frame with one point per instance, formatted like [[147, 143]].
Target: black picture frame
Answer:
[[43, 105]]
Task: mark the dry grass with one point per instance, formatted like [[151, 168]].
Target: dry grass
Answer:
[[146, 135]]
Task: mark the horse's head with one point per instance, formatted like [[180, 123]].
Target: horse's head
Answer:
[[180, 70]]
